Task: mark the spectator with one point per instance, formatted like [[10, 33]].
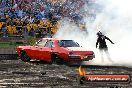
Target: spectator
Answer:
[[37, 14], [4, 30]]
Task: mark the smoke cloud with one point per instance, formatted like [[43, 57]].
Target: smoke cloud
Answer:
[[115, 21]]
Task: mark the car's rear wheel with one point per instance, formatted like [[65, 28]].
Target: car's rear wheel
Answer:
[[24, 57]]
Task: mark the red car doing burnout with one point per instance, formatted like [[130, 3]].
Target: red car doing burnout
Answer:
[[55, 51]]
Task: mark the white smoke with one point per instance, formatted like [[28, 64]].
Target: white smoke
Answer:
[[115, 21]]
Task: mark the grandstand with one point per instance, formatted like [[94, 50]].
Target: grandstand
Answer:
[[37, 18]]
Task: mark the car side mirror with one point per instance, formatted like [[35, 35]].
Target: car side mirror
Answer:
[[36, 43]]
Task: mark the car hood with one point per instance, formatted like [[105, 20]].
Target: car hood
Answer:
[[24, 46]]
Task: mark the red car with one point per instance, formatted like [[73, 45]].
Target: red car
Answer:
[[55, 50]]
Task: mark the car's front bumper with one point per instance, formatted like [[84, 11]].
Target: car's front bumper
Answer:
[[81, 57]]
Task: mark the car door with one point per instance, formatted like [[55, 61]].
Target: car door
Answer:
[[32, 52], [36, 48], [46, 51]]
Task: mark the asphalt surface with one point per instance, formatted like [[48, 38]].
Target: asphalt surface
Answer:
[[15, 73]]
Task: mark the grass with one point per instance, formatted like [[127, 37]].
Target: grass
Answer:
[[9, 44]]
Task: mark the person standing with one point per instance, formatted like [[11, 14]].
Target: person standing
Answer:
[[102, 45]]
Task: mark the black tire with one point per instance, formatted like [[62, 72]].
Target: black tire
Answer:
[[24, 57], [69, 63], [59, 61], [56, 60]]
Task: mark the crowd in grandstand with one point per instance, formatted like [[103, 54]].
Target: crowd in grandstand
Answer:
[[36, 17]]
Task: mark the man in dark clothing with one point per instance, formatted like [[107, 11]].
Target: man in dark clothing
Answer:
[[102, 45]]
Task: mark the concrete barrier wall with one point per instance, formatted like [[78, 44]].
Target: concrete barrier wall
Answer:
[[11, 50], [7, 50]]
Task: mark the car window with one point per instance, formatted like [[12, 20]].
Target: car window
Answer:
[[41, 42], [49, 44], [68, 43]]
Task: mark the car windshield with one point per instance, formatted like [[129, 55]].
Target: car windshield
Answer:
[[68, 43]]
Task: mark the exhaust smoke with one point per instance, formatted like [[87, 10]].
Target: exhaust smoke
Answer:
[[113, 20]]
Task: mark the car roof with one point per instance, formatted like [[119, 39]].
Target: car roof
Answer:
[[54, 39], [50, 38]]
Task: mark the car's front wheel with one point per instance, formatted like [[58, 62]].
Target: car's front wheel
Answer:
[[24, 57], [56, 60]]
